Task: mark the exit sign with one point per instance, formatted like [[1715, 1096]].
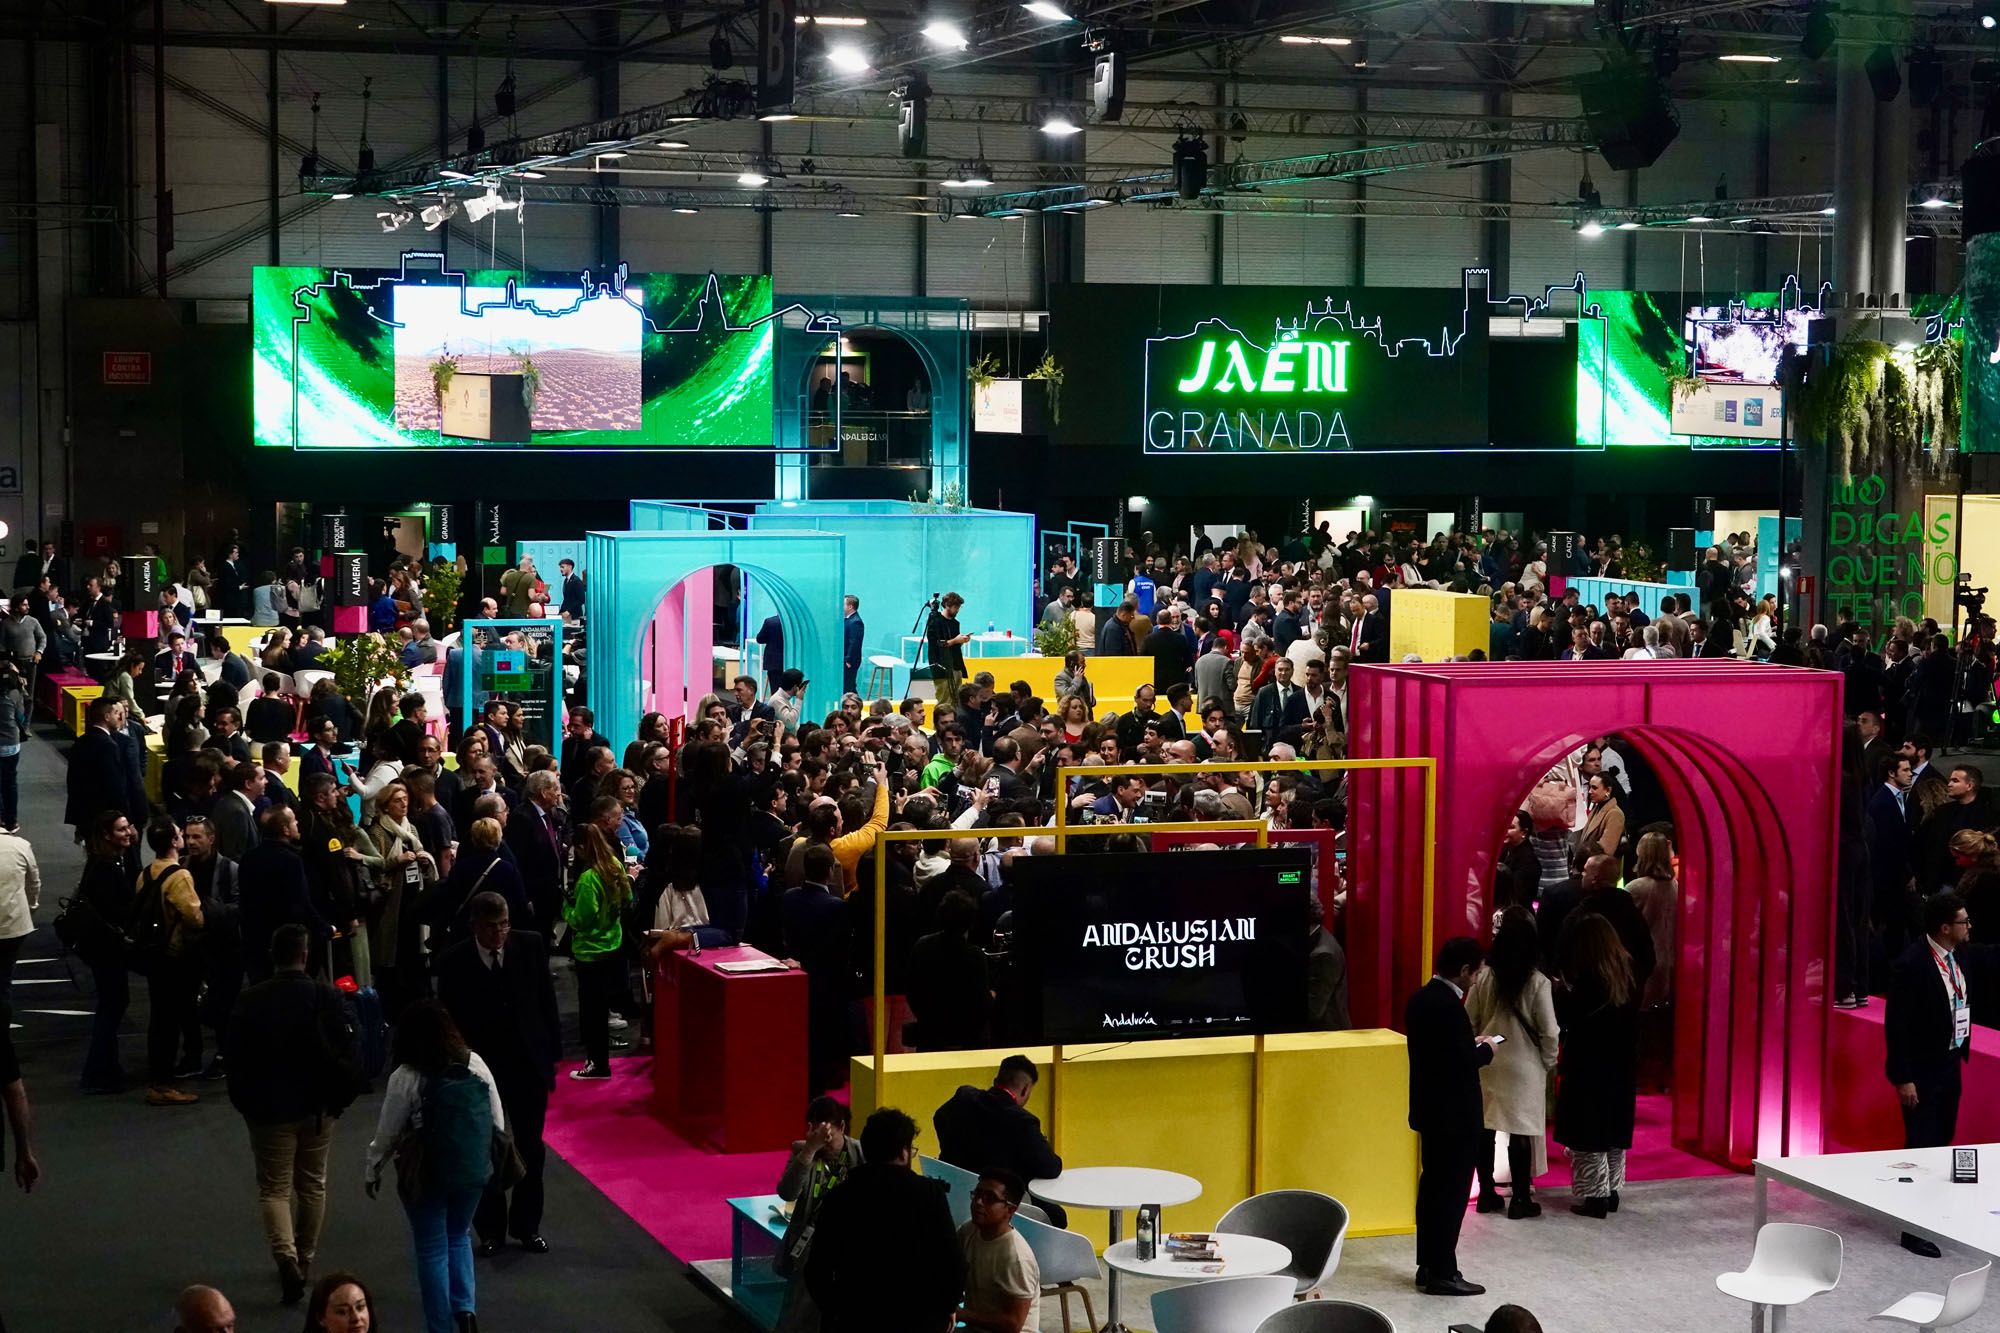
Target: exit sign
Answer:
[[128, 367]]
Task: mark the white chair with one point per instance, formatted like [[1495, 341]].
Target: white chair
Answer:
[[1328, 1317], [1066, 1260], [1227, 1305], [959, 1184], [1791, 1264], [1959, 1303], [1313, 1226]]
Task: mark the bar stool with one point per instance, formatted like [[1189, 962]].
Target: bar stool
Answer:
[[882, 675]]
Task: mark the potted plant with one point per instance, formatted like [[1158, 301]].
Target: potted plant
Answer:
[[1047, 377], [441, 588], [364, 664], [1056, 638]]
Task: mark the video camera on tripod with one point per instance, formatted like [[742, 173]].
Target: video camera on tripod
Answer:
[[1971, 598]]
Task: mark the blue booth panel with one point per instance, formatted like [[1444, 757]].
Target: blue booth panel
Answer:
[[899, 554], [802, 573]]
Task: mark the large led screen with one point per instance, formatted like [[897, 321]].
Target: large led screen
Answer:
[[1271, 370], [343, 358], [1121, 946], [1627, 359]]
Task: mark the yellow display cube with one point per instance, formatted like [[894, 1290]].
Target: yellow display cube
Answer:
[[1438, 626], [1321, 1110]]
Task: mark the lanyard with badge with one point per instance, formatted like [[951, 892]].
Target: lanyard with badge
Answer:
[[1954, 980]]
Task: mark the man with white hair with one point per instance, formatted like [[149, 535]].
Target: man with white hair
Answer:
[[1369, 640]]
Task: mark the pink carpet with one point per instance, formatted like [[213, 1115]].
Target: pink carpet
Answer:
[[1652, 1156], [676, 1190]]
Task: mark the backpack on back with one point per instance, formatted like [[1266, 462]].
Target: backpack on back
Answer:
[[150, 930], [457, 1132]]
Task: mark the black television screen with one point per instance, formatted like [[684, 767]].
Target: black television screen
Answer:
[[1119, 946]]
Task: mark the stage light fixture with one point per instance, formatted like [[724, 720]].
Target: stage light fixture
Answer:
[[848, 59], [1926, 75], [338, 195], [439, 213], [1059, 125], [946, 36], [1748, 58], [503, 96], [720, 54], [1988, 12], [395, 218], [913, 117], [1047, 12], [1586, 192], [483, 206], [364, 159], [1310, 39], [1819, 33], [1190, 166], [1885, 74], [685, 209], [1590, 227], [752, 178], [1107, 86]]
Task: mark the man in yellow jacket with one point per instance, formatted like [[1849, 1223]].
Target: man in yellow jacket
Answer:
[[824, 825]]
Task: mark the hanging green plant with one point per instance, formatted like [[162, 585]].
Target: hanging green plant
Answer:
[[1051, 374], [1680, 388], [531, 382], [1937, 379], [983, 372], [443, 368], [1843, 404]]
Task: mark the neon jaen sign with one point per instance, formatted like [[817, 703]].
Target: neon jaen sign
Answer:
[[1290, 367]]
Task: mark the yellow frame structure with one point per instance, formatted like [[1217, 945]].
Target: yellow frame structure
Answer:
[[1062, 830]]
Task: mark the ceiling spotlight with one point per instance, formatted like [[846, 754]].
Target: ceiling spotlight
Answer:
[[848, 59], [439, 213], [847, 213], [503, 96], [946, 35], [1042, 9], [753, 178], [773, 117], [1701, 217], [668, 145], [831, 21], [532, 175], [611, 155], [1190, 166], [1818, 37], [1628, 226], [1586, 192], [1060, 125], [349, 194], [1590, 227], [1826, 212], [1748, 58], [978, 176], [394, 218], [453, 174], [480, 207], [687, 210], [1308, 39], [1932, 202]]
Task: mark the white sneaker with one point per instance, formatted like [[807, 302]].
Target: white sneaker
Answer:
[[618, 1024]]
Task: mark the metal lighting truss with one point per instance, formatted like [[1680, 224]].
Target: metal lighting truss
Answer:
[[996, 32]]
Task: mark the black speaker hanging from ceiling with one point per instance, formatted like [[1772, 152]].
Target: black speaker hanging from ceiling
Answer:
[[1190, 167], [1630, 115], [1885, 76], [913, 117]]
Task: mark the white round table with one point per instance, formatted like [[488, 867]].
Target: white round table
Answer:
[[1116, 1189], [1241, 1256]]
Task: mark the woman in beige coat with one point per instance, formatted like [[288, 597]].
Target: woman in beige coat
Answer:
[[1511, 998]]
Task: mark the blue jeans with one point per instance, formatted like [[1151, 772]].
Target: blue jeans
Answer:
[[441, 1230]]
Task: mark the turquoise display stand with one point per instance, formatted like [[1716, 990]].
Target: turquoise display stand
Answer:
[[541, 699], [1768, 551], [803, 573]]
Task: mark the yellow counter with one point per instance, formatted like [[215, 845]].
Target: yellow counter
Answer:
[[1334, 1108], [1438, 626]]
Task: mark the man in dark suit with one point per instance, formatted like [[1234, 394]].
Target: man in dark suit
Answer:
[[98, 779], [851, 632], [771, 637], [272, 891], [1445, 1110], [277, 759], [992, 1128], [884, 1255], [1279, 710], [1927, 1028], [539, 838], [1173, 658], [572, 589], [1370, 642], [1892, 815], [497, 988], [175, 658], [41, 563], [410, 730], [815, 934]]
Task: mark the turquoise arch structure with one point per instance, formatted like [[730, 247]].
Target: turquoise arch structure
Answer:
[[803, 573]]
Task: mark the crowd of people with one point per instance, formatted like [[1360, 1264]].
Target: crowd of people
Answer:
[[295, 902]]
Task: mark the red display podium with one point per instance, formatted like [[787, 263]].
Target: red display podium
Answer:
[[136, 625], [1866, 1117], [350, 619], [729, 1051]]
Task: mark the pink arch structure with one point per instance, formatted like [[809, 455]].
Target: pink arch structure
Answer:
[[1750, 756]]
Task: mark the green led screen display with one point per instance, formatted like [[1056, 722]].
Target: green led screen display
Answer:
[[1626, 359], [343, 358]]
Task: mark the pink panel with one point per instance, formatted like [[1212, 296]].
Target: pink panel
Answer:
[[1751, 1024], [682, 645]]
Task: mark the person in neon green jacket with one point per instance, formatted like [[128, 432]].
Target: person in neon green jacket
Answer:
[[595, 913]]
